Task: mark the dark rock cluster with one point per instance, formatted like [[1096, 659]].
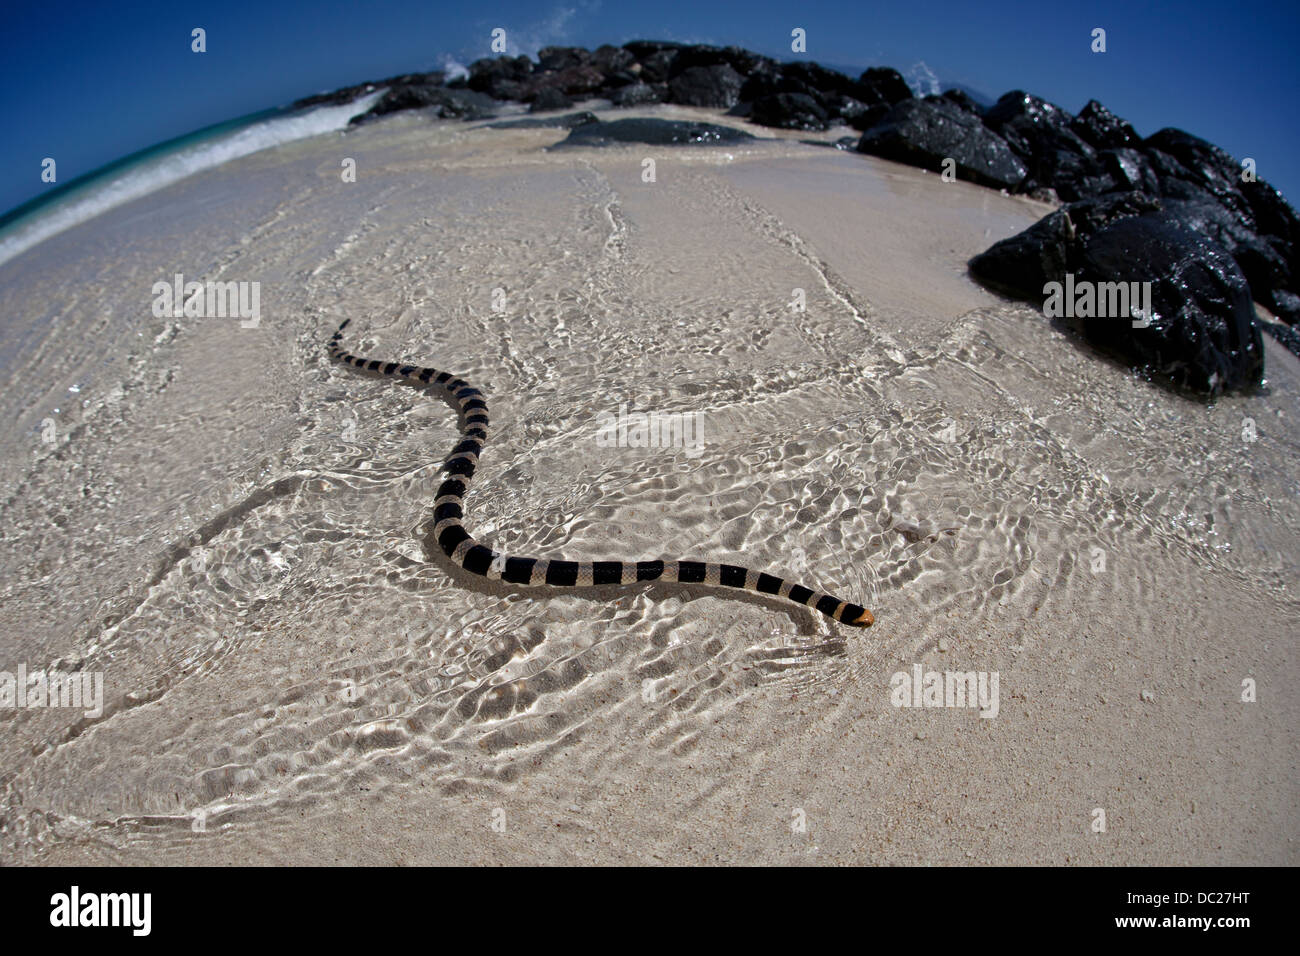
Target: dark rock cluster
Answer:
[[1209, 238], [1199, 330], [1191, 195], [927, 132], [657, 132]]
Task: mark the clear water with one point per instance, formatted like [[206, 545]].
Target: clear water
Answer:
[[228, 526]]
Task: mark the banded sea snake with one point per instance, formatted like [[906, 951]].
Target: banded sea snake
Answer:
[[456, 543]]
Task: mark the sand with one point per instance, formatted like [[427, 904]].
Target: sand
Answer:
[[227, 527]]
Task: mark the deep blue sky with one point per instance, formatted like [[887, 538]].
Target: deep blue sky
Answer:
[[88, 83]]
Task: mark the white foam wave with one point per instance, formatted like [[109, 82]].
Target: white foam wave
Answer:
[[922, 79], [453, 68], [164, 169]]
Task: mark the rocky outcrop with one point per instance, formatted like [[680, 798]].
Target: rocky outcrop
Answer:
[[550, 98], [716, 86], [1251, 219], [1102, 129], [1021, 265], [884, 85], [927, 132], [350, 93], [1022, 143], [1197, 330], [790, 111], [561, 58], [502, 78], [1202, 333], [655, 131], [638, 94], [567, 121], [448, 103], [1055, 155], [808, 96]]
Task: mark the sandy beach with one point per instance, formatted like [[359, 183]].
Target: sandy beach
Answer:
[[228, 527]]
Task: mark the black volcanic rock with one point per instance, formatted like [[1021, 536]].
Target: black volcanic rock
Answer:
[[964, 101], [814, 76], [571, 81], [716, 86], [789, 111], [1285, 334], [1191, 168], [1178, 182], [881, 84], [1201, 162], [1130, 170], [748, 63], [1273, 215], [869, 117], [1022, 264], [1102, 129], [1285, 305], [1277, 223], [780, 96], [620, 78], [636, 94], [656, 67], [501, 77], [744, 62], [549, 98], [338, 97], [1202, 335], [347, 94], [657, 132], [612, 59], [853, 111], [645, 48], [925, 132], [567, 121], [1029, 123], [806, 95], [451, 104], [767, 84], [1040, 134], [562, 57], [1263, 265], [654, 59], [1252, 220], [1076, 178], [761, 85]]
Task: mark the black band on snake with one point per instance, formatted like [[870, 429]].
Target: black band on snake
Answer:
[[476, 558]]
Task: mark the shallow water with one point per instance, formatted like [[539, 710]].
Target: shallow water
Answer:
[[229, 527]]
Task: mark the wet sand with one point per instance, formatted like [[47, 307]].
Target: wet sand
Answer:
[[228, 527]]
